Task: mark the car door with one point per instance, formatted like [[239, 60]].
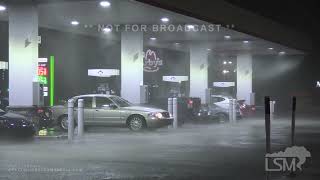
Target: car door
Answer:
[[87, 110], [106, 113]]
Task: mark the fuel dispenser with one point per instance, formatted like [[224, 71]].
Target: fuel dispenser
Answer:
[[144, 94], [38, 94]]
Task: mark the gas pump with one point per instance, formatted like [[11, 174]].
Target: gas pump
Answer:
[[144, 94], [38, 94], [104, 75], [175, 87], [224, 88]]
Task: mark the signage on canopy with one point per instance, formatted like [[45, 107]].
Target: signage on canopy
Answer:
[[151, 61], [223, 84]]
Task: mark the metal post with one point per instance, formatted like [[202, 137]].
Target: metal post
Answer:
[[80, 117], [271, 110], [293, 122], [267, 129], [267, 123], [175, 112], [170, 106], [70, 120], [230, 110], [234, 110]]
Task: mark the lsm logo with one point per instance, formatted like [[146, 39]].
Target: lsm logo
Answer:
[[290, 160]]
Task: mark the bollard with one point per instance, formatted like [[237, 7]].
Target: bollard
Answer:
[[170, 106], [271, 110], [170, 109], [70, 120], [80, 117], [272, 103], [267, 123], [230, 110], [267, 129], [175, 112], [234, 110], [293, 121]]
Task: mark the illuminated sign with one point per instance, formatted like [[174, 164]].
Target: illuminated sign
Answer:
[[151, 62], [103, 72], [223, 84], [3, 65], [178, 79], [42, 71], [43, 74], [318, 84]]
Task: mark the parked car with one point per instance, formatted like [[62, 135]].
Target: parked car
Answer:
[[216, 112], [221, 101], [100, 109], [4, 102], [12, 124], [41, 116], [188, 107], [218, 109], [245, 109], [194, 105]]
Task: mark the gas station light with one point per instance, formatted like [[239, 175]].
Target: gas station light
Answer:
[[74, 23], [105, 4], [165, 19], [190, 26], [282, 53], [225, 71], [2, 8], [107, 29]]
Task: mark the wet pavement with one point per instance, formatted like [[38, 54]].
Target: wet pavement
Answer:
[[195, 151]]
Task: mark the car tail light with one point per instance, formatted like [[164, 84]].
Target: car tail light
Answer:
[[39, 111], [190, 103]]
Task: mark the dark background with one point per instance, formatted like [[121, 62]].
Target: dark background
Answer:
[[301, 16]]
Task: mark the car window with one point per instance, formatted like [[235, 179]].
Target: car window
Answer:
[[87, 102], [217, 99], [120, 101], [103, 102]]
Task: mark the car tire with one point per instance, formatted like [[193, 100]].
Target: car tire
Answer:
[[136, 123], [63, 123], [222, 117]]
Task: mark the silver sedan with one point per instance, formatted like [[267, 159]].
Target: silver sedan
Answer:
[[109, 110]]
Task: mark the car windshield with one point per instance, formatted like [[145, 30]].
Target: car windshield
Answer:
[[120, 101]]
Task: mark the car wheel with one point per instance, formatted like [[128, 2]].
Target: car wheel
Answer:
[[136, 123], [222, 117], [63, 123]]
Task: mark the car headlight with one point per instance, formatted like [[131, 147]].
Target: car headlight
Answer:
[[156, 115]]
